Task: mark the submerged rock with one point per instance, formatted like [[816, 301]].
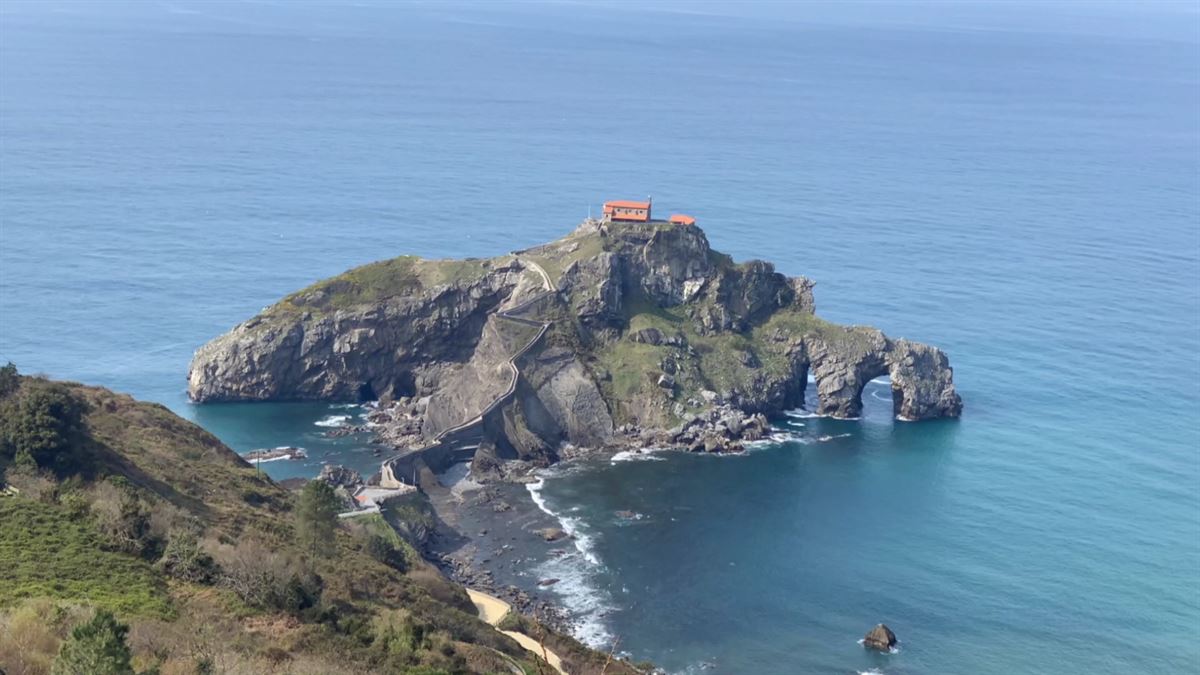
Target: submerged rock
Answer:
[[880, 638]]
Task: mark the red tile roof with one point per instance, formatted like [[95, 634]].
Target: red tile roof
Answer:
[[681, 219], [624, 204]]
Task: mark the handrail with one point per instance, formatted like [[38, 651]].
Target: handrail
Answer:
[[510, 315], [511, 363]]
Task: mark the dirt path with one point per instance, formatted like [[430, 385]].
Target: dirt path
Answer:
[[549, 285], [492, 610]]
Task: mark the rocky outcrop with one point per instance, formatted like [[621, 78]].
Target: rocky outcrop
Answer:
[[339, 476], [594, 285], [620, 333], [397, 345], [922, 382], [719, 429], [880, 638], [843, 360]]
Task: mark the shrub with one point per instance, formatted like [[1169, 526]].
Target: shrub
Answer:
[[9, 380], [28, 640], [122, 519], [43, 422], [183, 558], [398, 636], [267, 579], [97, 647], [381, 549]]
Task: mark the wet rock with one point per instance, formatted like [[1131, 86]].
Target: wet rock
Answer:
[[547, 582], [551, 533], [880, 638]]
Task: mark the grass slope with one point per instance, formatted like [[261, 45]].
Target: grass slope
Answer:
[[48, 552], [379, 281]]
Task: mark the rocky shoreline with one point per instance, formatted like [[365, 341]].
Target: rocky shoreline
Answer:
[[490, 539]]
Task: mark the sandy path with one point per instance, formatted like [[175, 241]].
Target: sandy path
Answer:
[[492, 610]]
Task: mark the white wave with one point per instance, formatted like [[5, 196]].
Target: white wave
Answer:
[[269, 459], [587, 604], [801, 413], [583, 542], [333, 421], [826, 439], [344, 406], [636, 456], [775, 438], [882, 379], [873, 671]]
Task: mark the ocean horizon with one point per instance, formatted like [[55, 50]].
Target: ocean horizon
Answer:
[[1016, 184]]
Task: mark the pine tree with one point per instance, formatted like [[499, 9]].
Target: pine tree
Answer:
[[316, 515], [97, 647]]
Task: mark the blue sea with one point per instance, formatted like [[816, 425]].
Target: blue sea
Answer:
[[1017, 183]]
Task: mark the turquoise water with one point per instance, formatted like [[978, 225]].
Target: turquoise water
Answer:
[[1017, 184]]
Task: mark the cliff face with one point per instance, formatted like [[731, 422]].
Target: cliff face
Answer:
[[644, 329], [357, 336]]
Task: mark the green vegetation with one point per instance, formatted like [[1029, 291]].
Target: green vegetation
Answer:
[[210, 564], [47, 551], [97, 647], [557, 256], [378, 281], [40, 424], [9, 379], [712, 361], [316, 515]]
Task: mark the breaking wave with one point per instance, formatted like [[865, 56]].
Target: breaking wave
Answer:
[[333, 421], [587, 604], [635, 456]]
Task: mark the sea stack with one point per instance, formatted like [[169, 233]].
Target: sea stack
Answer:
[[880, 637]]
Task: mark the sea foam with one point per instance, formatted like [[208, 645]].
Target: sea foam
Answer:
[[645, 455], [333, 421], [586, 603]]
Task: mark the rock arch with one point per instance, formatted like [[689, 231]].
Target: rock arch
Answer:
[[843, 360]]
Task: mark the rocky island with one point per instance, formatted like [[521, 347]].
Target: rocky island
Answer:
[[618, 335]]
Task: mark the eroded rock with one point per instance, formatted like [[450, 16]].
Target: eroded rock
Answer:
[[880, 638]]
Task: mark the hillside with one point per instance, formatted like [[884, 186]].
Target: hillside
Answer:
[[118, 505]]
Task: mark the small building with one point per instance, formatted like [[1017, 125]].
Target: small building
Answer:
[[681, 219], [620, 209]]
